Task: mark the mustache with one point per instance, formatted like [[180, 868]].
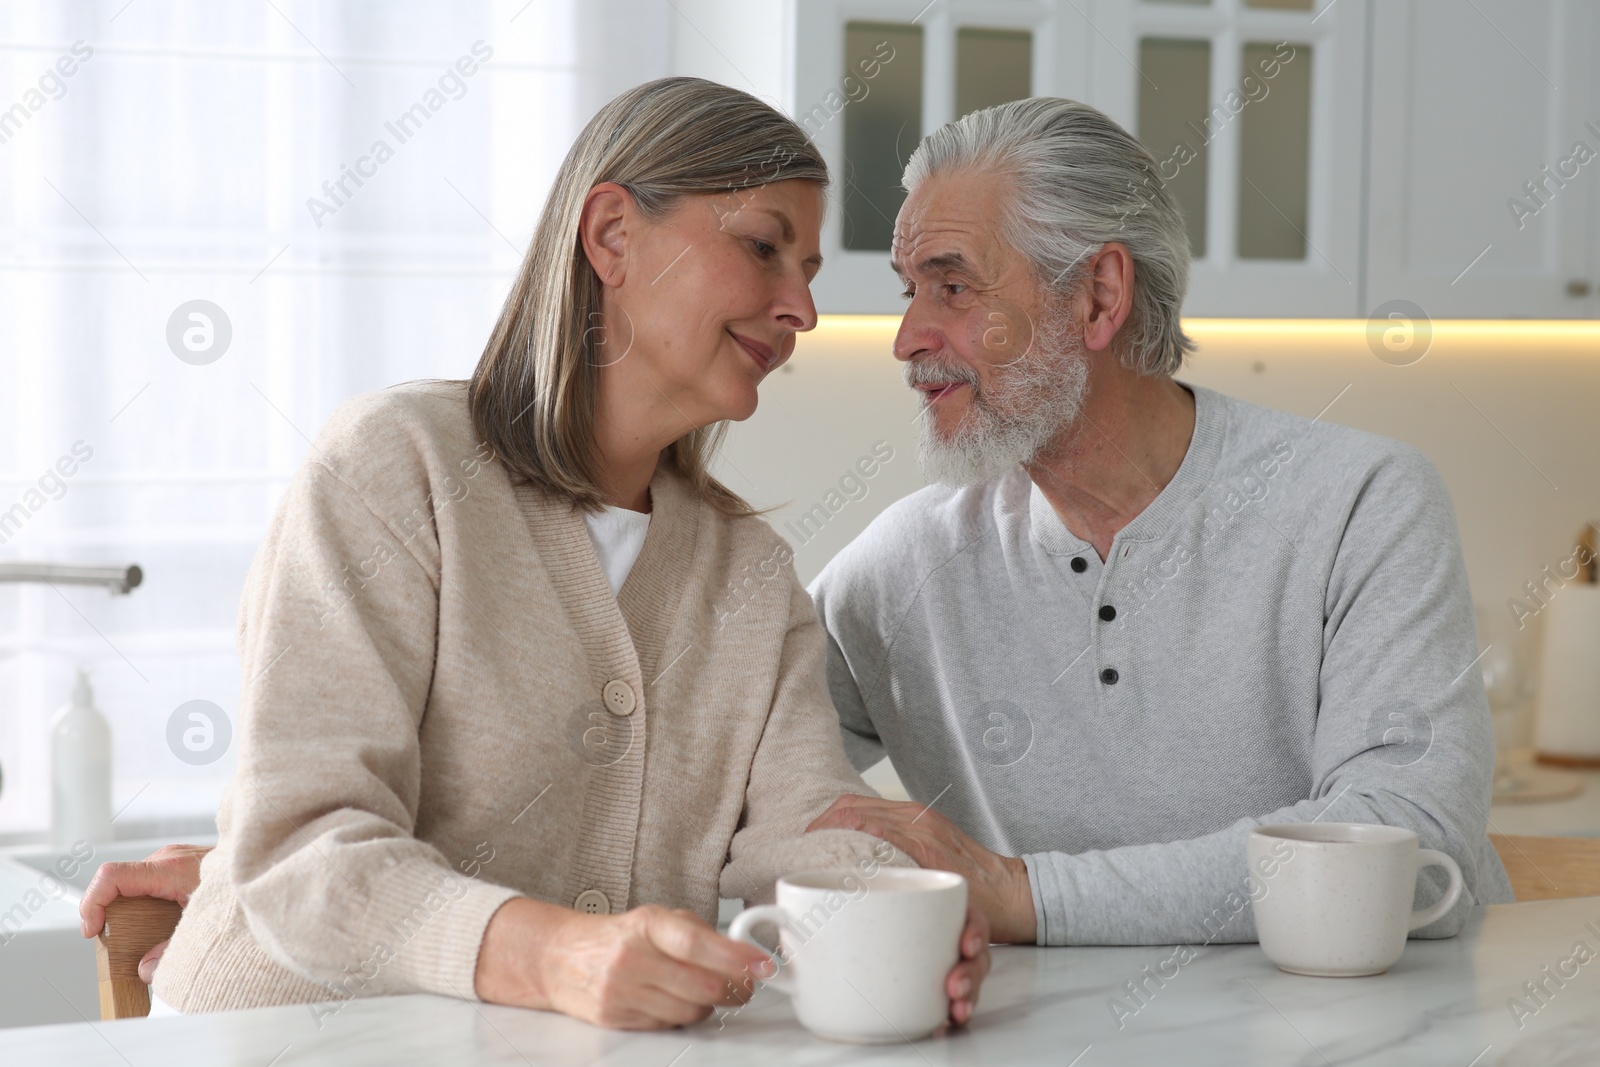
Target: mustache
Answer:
[[927, 370]]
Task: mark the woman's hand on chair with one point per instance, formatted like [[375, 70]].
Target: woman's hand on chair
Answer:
[[645, 969], [172, 872]]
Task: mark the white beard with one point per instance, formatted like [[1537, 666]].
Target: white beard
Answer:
[[1031, 401]]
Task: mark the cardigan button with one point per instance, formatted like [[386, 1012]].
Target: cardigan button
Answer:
[[593, 902], [618, 697]]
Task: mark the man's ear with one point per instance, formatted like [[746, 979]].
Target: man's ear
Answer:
[[1108, 295], [603, 229]]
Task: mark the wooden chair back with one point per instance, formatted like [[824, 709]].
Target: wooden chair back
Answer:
[[134, 925], [1548, 868]]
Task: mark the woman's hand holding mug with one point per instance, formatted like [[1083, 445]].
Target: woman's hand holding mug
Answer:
[[651, 967], [648, 968]]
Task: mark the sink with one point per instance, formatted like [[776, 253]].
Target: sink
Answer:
[[47, 969]]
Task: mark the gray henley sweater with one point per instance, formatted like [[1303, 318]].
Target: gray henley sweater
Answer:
[[1284, 634]]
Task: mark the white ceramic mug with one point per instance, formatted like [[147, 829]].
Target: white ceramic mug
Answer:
[[865, 957], [1334, 899]]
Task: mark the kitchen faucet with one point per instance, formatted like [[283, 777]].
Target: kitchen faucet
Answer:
[[118, 578]]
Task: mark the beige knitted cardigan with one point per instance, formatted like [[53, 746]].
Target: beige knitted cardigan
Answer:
[[444, 707]]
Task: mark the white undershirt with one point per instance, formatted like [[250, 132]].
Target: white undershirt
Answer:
[[618, 535]]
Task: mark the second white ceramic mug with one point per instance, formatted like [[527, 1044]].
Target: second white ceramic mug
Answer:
[[865, 957], [1334, 899]]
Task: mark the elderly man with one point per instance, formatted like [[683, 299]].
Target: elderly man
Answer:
[[1135, 619]]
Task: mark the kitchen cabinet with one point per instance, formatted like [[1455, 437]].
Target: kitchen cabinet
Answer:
[[873, 76], [1272, 198], [1330, 155], [1485, 131], [1253, 110]]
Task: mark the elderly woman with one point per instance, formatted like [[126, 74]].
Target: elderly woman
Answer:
[[525, 687]]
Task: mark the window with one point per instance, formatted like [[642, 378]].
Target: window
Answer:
[[228, 154]]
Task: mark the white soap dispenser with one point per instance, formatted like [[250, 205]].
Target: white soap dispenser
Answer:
[[80, 784]]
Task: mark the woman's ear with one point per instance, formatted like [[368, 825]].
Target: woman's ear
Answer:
[[603, 229]]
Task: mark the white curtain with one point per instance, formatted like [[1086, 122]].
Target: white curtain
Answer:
[[348, 187]]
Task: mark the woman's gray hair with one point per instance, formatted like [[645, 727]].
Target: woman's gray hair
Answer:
[[1079, 180], [533, 393]]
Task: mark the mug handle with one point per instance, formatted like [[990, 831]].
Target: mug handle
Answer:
[[739, 930], [1427, 857]]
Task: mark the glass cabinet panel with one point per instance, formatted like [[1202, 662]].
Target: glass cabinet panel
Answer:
[[992, 67], [1173, 94], [881, 129], [1275, 154], [1273, 208]]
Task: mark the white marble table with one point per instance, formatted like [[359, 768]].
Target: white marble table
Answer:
[[1445, 1003]]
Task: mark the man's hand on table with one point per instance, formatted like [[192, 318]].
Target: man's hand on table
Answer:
[[172, 872], [998, 885]]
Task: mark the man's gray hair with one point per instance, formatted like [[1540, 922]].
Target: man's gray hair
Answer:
[[1078, 181]]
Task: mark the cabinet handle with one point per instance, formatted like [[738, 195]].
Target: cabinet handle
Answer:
[[1578, 287]]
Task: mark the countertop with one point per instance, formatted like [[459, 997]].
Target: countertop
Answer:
[[1577, 816], [1445, 1003]]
